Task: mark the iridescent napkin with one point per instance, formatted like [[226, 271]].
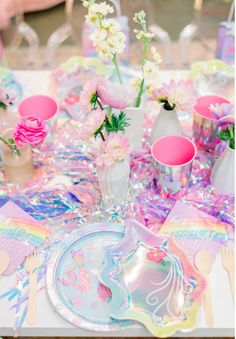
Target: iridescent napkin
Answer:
[[20, 234], [193, 230]]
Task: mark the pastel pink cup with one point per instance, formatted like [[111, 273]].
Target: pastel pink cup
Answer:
[[173, 156], [204, 123], [41, 106]]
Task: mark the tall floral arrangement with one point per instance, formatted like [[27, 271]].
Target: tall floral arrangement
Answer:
[[107, 38], [99, 98], [150, 68]]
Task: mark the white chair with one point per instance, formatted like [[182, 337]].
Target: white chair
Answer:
[[19, 30], [193, 30]]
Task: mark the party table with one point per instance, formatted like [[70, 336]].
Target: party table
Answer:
[[49, 323]]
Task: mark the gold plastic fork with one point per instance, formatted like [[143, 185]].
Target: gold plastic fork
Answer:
[[227, 255], [31, 263]]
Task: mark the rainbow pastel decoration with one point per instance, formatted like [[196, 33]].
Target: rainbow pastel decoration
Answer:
[[19, 234], [193, 230]]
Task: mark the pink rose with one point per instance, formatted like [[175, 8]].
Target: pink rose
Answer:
[[30, 131]]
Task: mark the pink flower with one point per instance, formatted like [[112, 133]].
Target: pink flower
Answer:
[[115, 95], [88, 96], [157, 255], [226, 121], [180, 95], [30, 131], [94, 120], [221, 110], [116, 148]]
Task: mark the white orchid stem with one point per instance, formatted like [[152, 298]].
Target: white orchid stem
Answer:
[[140, 93]]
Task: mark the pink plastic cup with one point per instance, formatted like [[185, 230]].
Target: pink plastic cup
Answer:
[[173, 156], [42, 107], [204, 123]]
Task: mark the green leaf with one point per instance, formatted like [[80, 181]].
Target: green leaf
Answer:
[[224, 135], [163, 263], [11, 141], [116, 123], [3, 106], [98, 131], [94, 98]]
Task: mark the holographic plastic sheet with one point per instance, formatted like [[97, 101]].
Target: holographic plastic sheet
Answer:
[[65, 207]]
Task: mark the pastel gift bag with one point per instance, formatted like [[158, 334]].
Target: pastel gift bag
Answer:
[[225, 47]]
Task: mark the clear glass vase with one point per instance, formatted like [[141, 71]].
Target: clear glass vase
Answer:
[[7, 120], [18, 169], [114, 182]]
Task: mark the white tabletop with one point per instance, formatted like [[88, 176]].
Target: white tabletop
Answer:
[[49, 323]]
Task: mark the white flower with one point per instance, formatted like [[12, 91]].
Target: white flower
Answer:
[[135, 82], [140, 18], [97, 11], [148, 35], [156, 56], [103, 8], [150, 70], [139, 34], [108, 40]]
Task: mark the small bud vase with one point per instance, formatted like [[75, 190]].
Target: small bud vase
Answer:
[[167, 123], [18, 169], [114, 182], [134, 131], [223, 172]]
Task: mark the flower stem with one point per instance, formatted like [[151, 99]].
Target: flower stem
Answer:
[[231, 141], [99, 104], [4, 141], [145, 50], [115, 62], [102, 136], [140, 93], [12, 146], [141, 88]]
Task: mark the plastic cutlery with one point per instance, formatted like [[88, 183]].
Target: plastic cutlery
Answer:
[[4, 261], [31, 263], [203, 263], [227, 255]]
